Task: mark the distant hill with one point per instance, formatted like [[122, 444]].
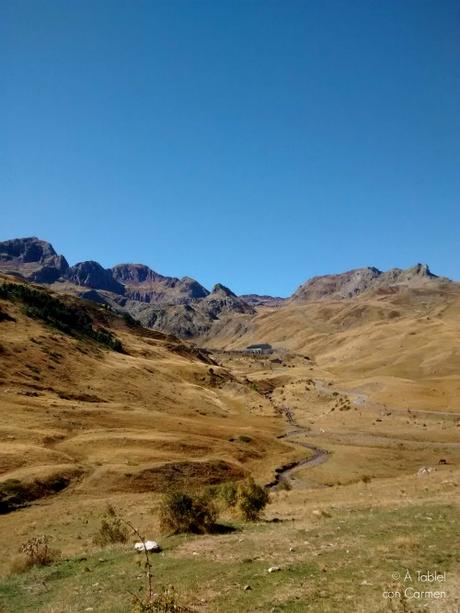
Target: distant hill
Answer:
[[356, 282]]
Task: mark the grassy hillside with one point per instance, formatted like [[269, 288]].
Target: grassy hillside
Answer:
[[373, 385], [107, 421], [402, 347]]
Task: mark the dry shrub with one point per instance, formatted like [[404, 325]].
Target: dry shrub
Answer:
[[34, 552], [180, 512], [112, 529]]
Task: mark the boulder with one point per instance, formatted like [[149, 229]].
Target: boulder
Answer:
[[151, 546]]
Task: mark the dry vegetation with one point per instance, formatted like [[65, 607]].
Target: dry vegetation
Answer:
[[376, 384]]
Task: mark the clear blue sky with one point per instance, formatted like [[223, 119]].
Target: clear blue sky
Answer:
[[254, 143]]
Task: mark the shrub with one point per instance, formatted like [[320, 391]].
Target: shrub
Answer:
[[227, 493], [34, 552], [223, 496], [180, 512], [112, 529], [245, 499], [251, 500]]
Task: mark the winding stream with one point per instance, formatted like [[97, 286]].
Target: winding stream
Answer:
[[283, 473]]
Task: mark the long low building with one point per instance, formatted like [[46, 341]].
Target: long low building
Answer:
[[259, 348]]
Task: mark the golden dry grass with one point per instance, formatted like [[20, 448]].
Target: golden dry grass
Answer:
[[379, 392]]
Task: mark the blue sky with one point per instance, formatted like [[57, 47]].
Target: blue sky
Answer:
[[253, 143]]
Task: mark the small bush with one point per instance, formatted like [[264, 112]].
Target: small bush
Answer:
[[245, 499], [180, 512], [227, 493], [223, 496], [34, 552], [251, 500], [112, 529]]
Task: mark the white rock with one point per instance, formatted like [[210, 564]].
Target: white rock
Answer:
[[425, 470], [274, 569], [147, 546]]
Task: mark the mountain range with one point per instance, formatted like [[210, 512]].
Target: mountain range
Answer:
[[183, 306]]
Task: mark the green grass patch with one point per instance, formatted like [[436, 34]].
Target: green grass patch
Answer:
[[340, 563]]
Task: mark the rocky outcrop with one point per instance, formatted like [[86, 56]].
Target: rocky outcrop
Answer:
[[222, 301], [135, 274], [145, 285], [359, 281], [182, 320], [262, 300], [193, 319], [93, 275], [345, 285], [33, 259]]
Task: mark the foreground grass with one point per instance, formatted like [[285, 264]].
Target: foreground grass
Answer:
[[339, 563]]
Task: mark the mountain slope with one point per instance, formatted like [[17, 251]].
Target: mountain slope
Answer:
[[359, 281], [143, 284], [32, 258], [390, 341], [100, 420]]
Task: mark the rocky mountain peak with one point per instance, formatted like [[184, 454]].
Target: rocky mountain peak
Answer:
[[32, 258], [30, 249], [361, 280], [195, 289], [344, 285], [422, 270], [134, 273], [92, 274], [222, 290]]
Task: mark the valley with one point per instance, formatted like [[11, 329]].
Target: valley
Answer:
[[351, 421]]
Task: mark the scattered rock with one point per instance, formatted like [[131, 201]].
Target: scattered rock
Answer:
[[424, 470], [320, 513], [247, 588], [274, 569]]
